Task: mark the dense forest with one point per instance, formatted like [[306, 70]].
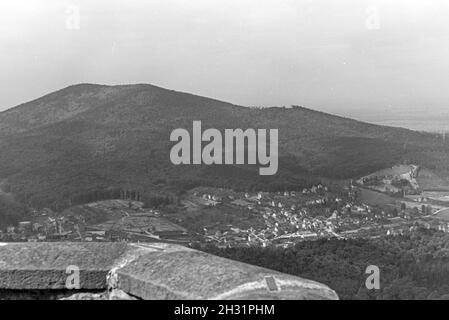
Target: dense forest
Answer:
[[414, 266]]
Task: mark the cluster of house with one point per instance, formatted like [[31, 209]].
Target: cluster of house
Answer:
[[44, 225], [401, 226], [288, 218], [126, 222], [209, 199]]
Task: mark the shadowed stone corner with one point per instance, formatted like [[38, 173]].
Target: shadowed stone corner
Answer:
[[141, 271]]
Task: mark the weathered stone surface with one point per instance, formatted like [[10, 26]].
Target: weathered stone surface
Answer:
[[146, 271], [44, 265], [176, 272], [87, 296], [117, 294]]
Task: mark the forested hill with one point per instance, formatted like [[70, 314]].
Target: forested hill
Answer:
[[94, 138]]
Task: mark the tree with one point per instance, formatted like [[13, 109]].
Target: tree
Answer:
[[395, 212], [403, 206]]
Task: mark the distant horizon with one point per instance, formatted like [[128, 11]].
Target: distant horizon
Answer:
[[382, 116], [335, 57]]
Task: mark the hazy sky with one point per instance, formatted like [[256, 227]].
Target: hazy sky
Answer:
[[329, 55]]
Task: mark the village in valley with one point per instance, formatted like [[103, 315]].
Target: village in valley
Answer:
[[387, 203], [107, 220], [310, 214]]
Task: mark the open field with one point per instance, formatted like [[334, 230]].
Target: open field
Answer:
[[375, 198], [140, 223], [428, 180], [126, 218], [101, 211], [443, 215], [436, 195], [393, 171], [209, 217]]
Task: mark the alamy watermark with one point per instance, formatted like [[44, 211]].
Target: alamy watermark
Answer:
[[230, 150], [372, 21], [373, 280], [73, 278], [73, 18]]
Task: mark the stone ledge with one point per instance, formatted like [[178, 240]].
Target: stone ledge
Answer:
[[43, 265], [147, 271]]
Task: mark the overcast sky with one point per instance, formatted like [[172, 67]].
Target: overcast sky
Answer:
[[329, 55]]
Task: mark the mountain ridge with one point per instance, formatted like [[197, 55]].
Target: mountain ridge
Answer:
[[79, 86], [88, 137]]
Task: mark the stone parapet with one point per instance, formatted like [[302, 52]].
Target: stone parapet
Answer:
[[143, 271]]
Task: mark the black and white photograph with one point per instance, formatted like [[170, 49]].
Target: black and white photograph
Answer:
[[247, 151]]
